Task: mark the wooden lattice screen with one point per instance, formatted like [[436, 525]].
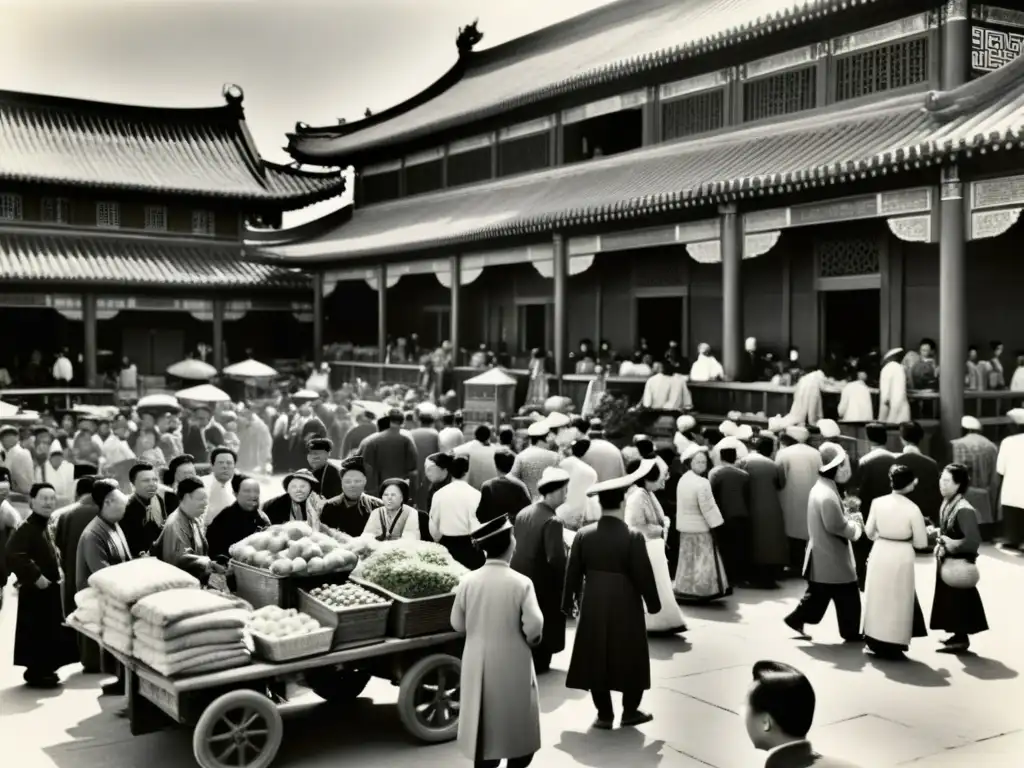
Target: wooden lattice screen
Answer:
[[697, 113], [885, 68], [780, 94]]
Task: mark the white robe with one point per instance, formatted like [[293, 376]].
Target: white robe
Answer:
[[897, 527], [680, 394], [855, 403], [578, 509], [893, 405], [706, 368], [658, 393], [728, 442], [222, 496], [807, 408]]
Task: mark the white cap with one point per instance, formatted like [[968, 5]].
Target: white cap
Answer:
[[1017, 416], [734, 415], [829, 429], [692, 450], [646, 465], [56, 447], [685, 423], [537, 429], [557, 420], [798, 433], [552, 476], [728, 428], [832, 456], [970, 423], [745, 432], [427, 409], [776, 423], [893, 352]]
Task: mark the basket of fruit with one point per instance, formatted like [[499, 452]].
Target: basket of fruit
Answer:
[[356, 611], [280, 634], [270, 566]]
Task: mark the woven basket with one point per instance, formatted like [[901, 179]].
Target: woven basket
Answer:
[[957, 573], [364, 622], [259, 587], [416, 617], [277, 649]]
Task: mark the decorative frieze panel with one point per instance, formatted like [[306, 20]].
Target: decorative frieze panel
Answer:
[[886, 33], [912, 229], [883, 204], [608, 106], [847, 257], [994, 48], [780, 61], [526, 129], [691, 85], [997, 193], [986, 224], [759, 221], [710, 251]]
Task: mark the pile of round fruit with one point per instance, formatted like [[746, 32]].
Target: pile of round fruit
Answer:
[[293, 549], [349, 595], [281, 623]]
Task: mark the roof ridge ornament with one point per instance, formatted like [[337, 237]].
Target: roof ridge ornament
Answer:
[[468, 38], [233, 94]]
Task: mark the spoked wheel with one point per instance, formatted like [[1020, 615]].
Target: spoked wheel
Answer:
[[337, 686], [429, 698], [241, 729]]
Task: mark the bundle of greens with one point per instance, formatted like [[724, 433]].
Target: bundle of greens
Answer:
[[411, 569]]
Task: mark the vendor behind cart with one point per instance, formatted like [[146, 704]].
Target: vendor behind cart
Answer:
[[349, 512], [182, 542], [397, 519], [241, 519]]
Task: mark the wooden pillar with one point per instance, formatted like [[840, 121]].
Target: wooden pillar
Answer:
[[318, 318], [382, 313], [787, 302], [956, 44], [732, 290], [560, 273], [454, 321], [218, 334], [90, 347], [952, 305]]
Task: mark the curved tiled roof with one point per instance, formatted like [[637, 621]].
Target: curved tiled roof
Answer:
[[607, 44], [817, 150], [201, 152]]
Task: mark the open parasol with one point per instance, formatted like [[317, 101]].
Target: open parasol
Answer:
[[305, 395], [204, 393], [193, 370], [250, 369], [375, 407], [158, 403]]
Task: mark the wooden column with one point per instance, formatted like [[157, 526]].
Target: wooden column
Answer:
[[318, 318], [455, 266], [560, 273], [956, 44], [90, 347], [382, 313], [732, 290], [218, 334], [787, 302], [952, 304]]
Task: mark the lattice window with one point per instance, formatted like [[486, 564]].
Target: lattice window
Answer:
[[204, 223], [849, 257], [698, 113], [156, 218], [10, 208], [469, 167], [780, 94], [379, 187], [56, 210], [108, 215], [885, 68], [529, 153], [424, 177]]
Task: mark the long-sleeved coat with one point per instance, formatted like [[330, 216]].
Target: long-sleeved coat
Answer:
[[855, 402], [606, 459], [893, 404], [829, 558], [578, 508], [767, 521], [926, 494], [71, 523], [979, 455], [102, 544], [232, 525], [872, 477], [390, 454], [498, 610], [530, 464], [540, 556], [799, 466], [730, 486], [182, 544], [140, 526], [481, 462], [502, 496]]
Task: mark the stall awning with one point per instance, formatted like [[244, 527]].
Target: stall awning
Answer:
[[134, 261]]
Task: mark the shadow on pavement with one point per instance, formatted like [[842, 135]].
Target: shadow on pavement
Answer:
[[667, 648], [553, 693], [611, 749], [910, 672], [985, 669], [21, 700], [848, 657]]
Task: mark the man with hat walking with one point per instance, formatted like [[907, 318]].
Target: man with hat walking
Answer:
[[893, 405], [1010, 466], [540, 555], [534, 458], [798, 467], [829, 565], [979, 455]]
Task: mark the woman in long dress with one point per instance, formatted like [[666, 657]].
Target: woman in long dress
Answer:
[[644, 514], [892, 614], [956, 610], [700, 574]]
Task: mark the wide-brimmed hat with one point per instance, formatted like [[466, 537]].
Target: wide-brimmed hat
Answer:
[[302, 474], [551, 479], [798, 433], [832, 456], [616, 483], [490, 529], [970, 423], [685, 423], [557, 420], [828, 428], [538, 429]]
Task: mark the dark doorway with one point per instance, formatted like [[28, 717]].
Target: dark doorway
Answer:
[[659, 320], [152, 349], [603, 136], [852, 322], [533, 327]]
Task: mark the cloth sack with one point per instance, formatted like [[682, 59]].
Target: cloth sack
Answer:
[[957, 573], [234, 658], [87, 597], [234, 618], [117, 640], [130, 582], [168, 607], [216, 666], [117, 624], [148, 635], [150, 655], [117, 612], [88, 616]]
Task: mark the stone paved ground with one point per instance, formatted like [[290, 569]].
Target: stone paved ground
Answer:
[[935, 711]]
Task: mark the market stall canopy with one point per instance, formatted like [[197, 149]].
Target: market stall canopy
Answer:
[[95, 411], [21, 418], [204, 393], [494, 377], [194, 370], [159, 402], [375, 407], [250, 369], [6, 409], [307, 395]]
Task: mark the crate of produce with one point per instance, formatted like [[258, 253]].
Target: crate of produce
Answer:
[[280, 634], [356, 611], [418, 616], [260, 587]]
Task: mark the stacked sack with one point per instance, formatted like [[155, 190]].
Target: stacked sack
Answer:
[[88, 610], [121, 586], [189, 632]]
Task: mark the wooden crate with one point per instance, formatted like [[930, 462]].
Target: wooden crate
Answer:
[[420, 616]]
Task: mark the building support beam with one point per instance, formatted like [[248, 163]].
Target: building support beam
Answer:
[[218, 334], [956, 44], [560, 267], [90, 347], [732, 290], [318, 318], [382, 313], [455, 312], [952, 305]]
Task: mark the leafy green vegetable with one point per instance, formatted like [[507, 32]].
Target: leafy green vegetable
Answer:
[[412, 569]]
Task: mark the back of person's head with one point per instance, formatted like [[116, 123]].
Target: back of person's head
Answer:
[[482, 433], [580, 447], [784, 694], [503, 460], [765, 445], [448, 419], [911, 433], [787, 440], [580, 424], [728, 455], [383, 424], [460, 466], [506, 435], [427, 419], [877, 434], [83, 486]]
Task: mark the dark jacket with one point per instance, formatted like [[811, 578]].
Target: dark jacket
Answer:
[[330, 480], [278, 510], [540, 555], [731, 488], [872, 478], [502, 496], [72, 521], [232, 525], [140, 531], [390, 454], [349, 516], [98, 548], [800, 754], [183, 545], [926, 495]]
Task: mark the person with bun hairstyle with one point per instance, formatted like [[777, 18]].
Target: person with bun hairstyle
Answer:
[[453, 515]]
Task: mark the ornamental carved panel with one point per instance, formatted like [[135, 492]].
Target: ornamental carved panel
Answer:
[[993, 48], [847, 257]]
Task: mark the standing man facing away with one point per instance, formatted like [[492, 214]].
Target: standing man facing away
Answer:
[[798, 466], [535, 458], [391, 454], [502, 496], [872, 482], [69, 528], [1010, 466], [926, 493]]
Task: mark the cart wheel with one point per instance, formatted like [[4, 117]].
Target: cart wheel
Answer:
[[338, 686], [241, 729], [429, 696]]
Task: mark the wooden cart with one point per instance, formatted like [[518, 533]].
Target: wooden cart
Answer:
[[234, 714]]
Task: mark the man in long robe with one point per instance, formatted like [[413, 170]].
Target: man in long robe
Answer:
[[578, 509], [182, 542], [535, 458], [855, 400], [364, 428], [480, 452], [71, 523], [871, 480], [424, 437], [19, 458], [255, 452], [391, 454], [706, 367], [502, 496], [730, 486], [658, 391], [979, 455], [540, 555], [926, 470], [798, 465], [146, 511], [770, 547], [893, 405]]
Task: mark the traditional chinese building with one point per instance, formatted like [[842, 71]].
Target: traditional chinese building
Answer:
[[121, 230], [833, 174]]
